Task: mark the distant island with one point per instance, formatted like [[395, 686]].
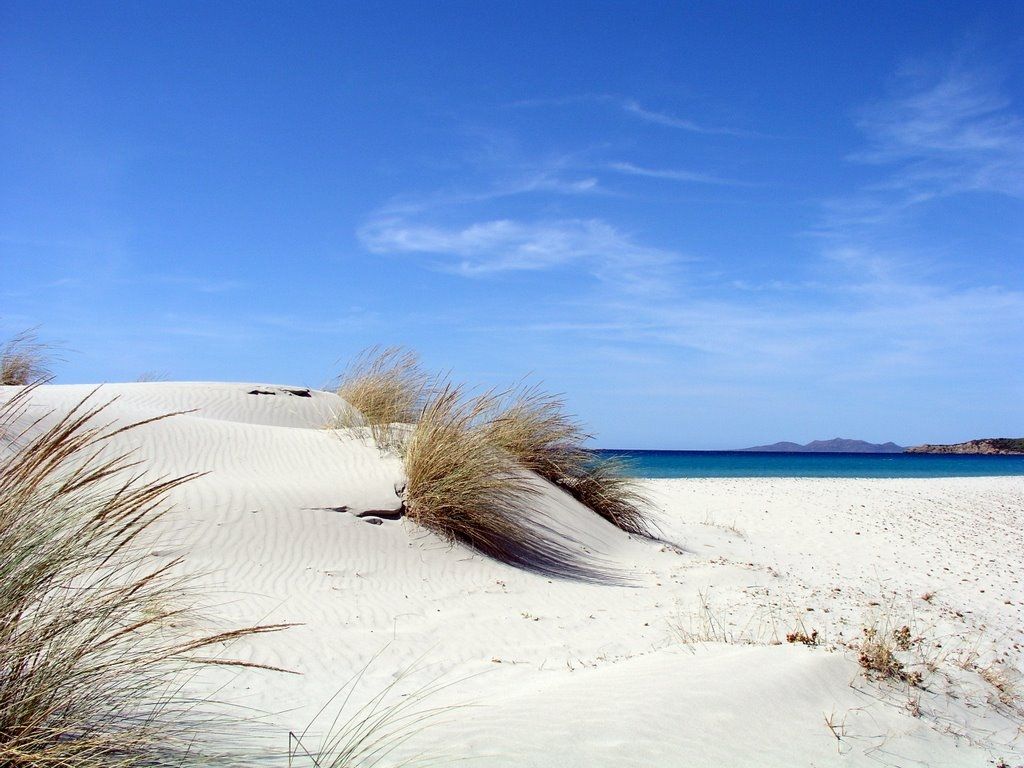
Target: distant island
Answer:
[[835, 445], [987, 445]]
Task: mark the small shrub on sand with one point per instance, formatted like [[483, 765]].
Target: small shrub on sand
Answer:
[[24, 360], [800, 636], [458, 484], [386, 387], [879, 654], [533, 428], [89, 657]]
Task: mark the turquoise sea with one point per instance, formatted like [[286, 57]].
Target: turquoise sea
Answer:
[[747, 464]]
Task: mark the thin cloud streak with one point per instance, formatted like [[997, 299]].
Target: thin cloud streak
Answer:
[[675, 175], [542, 182], [670, 121], [633, 108]]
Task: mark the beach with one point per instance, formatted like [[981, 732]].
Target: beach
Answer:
[[732, 637]]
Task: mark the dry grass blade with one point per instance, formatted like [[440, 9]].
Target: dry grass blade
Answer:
[[386, 386], [370, 733], [24, 360], [90, 658], [533, 427]]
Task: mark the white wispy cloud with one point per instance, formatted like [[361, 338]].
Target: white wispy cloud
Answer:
[[551, 178], [671, 121], [674, 174], [635, 109], [864, 324], [951, 131], [946, 131], [505, 245]]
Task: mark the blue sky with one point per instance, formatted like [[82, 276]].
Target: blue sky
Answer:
[[709, 224]]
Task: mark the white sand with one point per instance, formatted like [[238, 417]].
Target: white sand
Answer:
[[680, 660]]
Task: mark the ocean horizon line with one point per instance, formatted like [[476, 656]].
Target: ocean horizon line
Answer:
[[683, 464]]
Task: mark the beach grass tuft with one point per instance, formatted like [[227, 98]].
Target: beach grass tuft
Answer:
[[604, 487], [464, 454], [386, 387], [91, 649], [24, 360], [458, 484], [369, 734], [533, 427]]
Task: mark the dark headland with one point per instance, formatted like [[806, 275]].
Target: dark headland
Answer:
[[835, 445], [987, 445]]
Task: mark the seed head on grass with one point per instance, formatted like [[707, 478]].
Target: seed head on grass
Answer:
[[385, 386], [89, 657], [24, 360]]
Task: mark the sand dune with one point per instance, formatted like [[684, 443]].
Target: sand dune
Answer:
[[674, 654]]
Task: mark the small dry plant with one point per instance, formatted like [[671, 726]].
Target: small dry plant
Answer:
[[533, 427], [386, 389], [90, 659], [708, 623], [801, 637], [879, 653], [24, 360], [1001, 680]]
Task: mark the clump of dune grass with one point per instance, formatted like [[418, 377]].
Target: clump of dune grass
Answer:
[[385, 387], [457, 483], [533, 427], [469, 442], [464, 488], [91, 655], [24, 360]]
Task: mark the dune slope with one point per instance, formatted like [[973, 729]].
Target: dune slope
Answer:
[[675, 656]]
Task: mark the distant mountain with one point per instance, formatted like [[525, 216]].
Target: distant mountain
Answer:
[[835, 445], [988, 445]]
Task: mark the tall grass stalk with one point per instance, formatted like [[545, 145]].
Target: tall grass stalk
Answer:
[[91, 653]]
